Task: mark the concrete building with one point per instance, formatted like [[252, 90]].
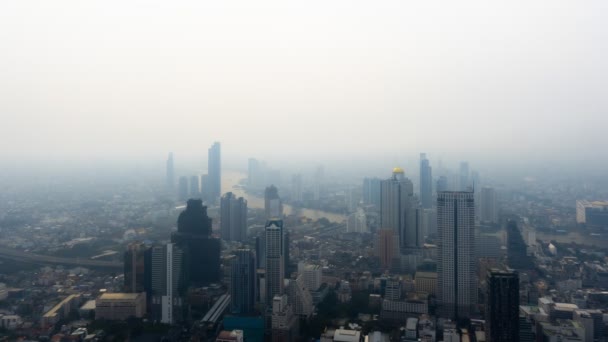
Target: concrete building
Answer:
[[272, 203], [233, 218], [592, 213], [283, 322], [243, 282], [387, 248], [426, 182], [357, 222], [311, 274], [502, 306], [398, 210], [120, 306], [300, 298], [456, 282], [168, 283], [170, 173], [230, 336], [426, 282], [488, 211], [214, 172], [275, 262]]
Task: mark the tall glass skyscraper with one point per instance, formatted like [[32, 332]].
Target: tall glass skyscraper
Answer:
[[242, 282], [214, 172], [426, 182], [398, 211], [233, 217], [456, 282]]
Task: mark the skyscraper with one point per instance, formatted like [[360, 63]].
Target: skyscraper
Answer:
[[170, 172], [194, 189], [442, 184], [272, 203], [488, 207], [372, 191], [202, 250], [233, 219], [426, 182], [168, 283], [464, 176], [456, 283], [275, 262], [397, 209], [214, 172], [182, 191], [387, 248], [242, 282], [296, 188], [138, 268], [502, 306]]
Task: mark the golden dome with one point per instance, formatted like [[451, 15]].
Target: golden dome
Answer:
[[398, 170]]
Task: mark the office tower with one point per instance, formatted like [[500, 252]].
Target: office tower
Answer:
[[170, 172], [286, 261], [233, 220], [464, 176], [428, 222], [260, 250], [296, 188], [426, 182], [502, 306], [488, 206], [194, 190], [318, 182], [214, 172], [387, 248], [397, 209], [372, 191], [255, 176], [442, 184], [168, 283], [475, 179], [517, 251], [357, 222], [272, 203], [182, 193], [299, 297], [456, 283], [138, 268], [284, 323], [275, 259], [242, 282], [312, 275], [193, 236]]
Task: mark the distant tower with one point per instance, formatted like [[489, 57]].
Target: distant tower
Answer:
[[242, 282], [138, 268], [233, 220], [275, 259], [488, 206], [442, 184], [464, 176], [296, 188], [170, 172], [168, 283], [182, 193], [397, 209], [193, 236], [372, 191], [426, 182], [456, 284], [502, 306], [214, 172], [254, 173], [272, 203], [194, 189]]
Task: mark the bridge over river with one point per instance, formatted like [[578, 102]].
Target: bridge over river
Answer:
[[17, 255]]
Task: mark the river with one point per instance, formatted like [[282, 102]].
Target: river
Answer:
[[231, 181]]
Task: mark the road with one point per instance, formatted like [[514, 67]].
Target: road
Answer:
[[13, 254]]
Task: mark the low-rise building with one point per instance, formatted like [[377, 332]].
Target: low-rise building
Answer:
[[120, 306]]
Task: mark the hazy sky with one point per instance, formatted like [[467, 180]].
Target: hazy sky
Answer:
[[105, 79]]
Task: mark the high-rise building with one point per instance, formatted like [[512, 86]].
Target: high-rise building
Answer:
[[193, 236], [275, 259], [456, 283], [296, 188], [182, 191], [299, 297], [318, 182], [502, 306], [242, 282], [284, 323], [170, 175], [387, 248], [464, 176], [442, 184], [517, 250], [372, 191], [214, 172], [488, 207], [398, 211], [272, 203], [426, 182], [194, 189], [168, 283], [357, 222], [138, 268], [312, 275], [233, 218], [255, 174]]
